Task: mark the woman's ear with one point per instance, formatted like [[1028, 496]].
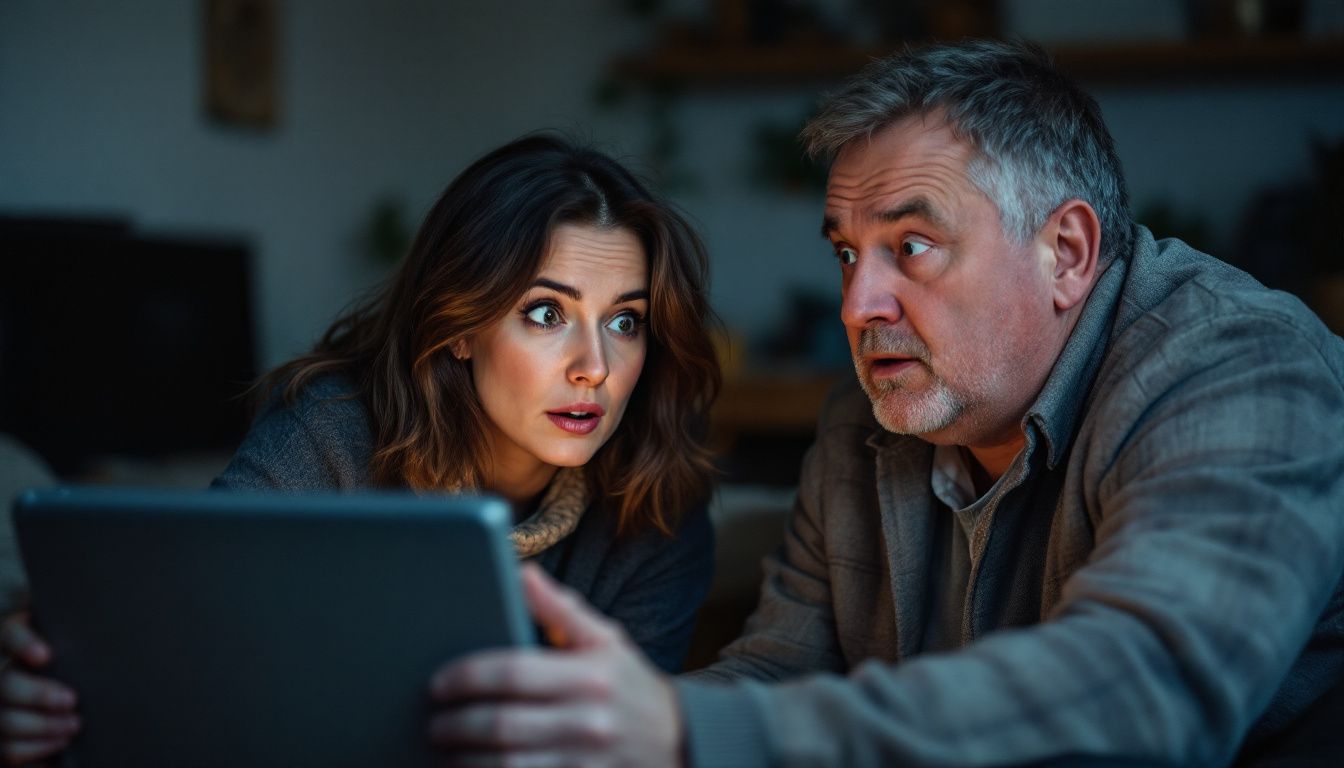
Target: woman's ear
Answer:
[[460, 349], [1077, 247]]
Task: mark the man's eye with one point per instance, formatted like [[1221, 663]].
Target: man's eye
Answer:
[[626, 324], [913, 247], [846, 255], [545, 315]]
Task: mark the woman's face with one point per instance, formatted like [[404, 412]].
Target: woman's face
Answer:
[[554, 375]]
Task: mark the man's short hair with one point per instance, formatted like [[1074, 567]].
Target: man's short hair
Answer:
[[1037, 138]]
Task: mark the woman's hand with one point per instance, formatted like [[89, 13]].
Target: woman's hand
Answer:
[[37, 714]]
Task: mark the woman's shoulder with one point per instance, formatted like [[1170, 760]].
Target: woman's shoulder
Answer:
[[320, 438], [330, 399]]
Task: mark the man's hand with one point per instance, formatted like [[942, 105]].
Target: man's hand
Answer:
[[593, 701], [37, 714]]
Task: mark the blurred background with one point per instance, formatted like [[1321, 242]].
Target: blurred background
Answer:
[[191, 190]]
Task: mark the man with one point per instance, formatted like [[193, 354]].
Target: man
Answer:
[[1088, 502]]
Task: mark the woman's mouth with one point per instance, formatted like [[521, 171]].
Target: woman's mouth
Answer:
[[577, 419]]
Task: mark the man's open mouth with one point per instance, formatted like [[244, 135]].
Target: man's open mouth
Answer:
[[886, 363]]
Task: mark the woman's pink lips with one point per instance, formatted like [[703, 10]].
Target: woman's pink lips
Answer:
[[573, 425], [564, 419]]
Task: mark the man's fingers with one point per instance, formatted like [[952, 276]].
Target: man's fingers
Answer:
[[524, 675], [22, 724], [522, 727], [568, 620], [18, 640], [21, 689], [27, 751]]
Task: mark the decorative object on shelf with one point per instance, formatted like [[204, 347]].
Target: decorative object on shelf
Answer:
[[240, 62], [811, 336], [1244, 18]]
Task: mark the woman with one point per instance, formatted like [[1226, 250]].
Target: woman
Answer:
[[545, 340]]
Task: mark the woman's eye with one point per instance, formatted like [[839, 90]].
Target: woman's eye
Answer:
[[846, 255], [913, 247], [545, 315], [625, 324]]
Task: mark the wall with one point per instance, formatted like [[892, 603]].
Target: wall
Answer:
[[100, 111]]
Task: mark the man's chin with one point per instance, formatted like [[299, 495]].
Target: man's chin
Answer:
[[902, 414]]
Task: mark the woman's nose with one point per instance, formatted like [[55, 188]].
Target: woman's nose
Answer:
[[588, 362]]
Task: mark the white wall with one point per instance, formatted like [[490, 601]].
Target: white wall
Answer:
[[100, 111]]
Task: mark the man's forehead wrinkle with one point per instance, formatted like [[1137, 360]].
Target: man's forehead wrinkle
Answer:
[[890, 194], [870, 180]]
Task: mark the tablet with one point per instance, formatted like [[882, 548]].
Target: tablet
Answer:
[[228, 628]]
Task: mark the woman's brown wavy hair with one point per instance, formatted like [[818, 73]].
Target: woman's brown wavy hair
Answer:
[[476, 253]]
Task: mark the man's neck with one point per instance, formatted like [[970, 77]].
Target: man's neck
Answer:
[[989, 463]]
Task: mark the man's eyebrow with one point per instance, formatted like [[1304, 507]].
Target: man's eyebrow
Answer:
[[828, 225], [577, 295], [916, 206]]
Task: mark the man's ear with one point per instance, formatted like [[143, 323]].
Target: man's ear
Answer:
[[460, 349], [1076, 245]]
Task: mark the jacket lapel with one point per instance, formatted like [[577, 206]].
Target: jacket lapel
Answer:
[[905, 502]]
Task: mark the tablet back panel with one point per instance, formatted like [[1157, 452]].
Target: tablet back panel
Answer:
[[218, 628]]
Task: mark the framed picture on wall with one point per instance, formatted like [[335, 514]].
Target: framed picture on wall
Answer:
[[240, 62]]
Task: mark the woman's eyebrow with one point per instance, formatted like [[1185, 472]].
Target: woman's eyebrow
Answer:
[[577, 295], [568, 290], [642, 293]]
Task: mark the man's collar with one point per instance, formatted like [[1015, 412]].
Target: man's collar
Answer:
[[1062, 400]]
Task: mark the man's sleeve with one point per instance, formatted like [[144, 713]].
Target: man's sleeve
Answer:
[[1220, 537]]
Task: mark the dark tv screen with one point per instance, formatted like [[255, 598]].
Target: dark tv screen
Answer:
[[113, 343]]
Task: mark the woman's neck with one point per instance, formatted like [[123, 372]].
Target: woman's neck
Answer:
[[521, 485]]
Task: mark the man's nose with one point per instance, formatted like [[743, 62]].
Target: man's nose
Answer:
[[588, 359], [870, 293]]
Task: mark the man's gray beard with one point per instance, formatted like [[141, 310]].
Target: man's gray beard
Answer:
[[935, 409]]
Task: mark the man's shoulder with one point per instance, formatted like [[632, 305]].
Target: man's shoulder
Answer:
[[1185, 307], [1207, 288]]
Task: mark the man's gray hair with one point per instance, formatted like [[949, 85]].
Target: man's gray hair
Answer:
[[1037, 139]]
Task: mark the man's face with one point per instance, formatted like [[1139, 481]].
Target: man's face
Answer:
[[950, 323]]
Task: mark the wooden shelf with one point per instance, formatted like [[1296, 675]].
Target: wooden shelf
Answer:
[[710, 64], [775, 403], [713, 63], [1215, 60]]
